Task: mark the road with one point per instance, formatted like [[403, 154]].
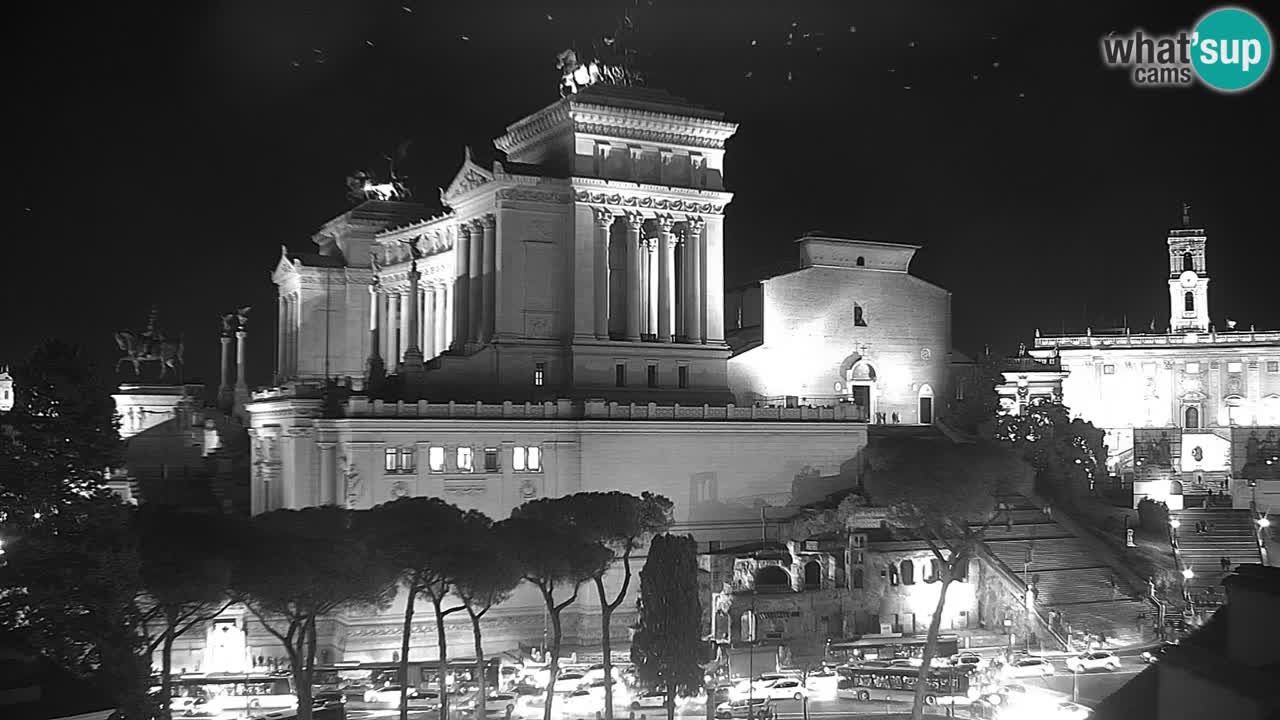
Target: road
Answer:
[[1092, 688]]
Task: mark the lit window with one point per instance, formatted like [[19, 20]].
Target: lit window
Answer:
[[682, 376], [406, 460], [539, 373], [526, 458], [620, 374], [1108, 369], [1193, 367], [1235, 367], [1273, 366], [390, 459], [652, 375], [491, 460], [464, 459], [435, 458]]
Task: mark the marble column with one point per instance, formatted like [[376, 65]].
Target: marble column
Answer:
[[666, 278], [475, 301], [242, 385], [224, 383], [634, 295], [328, 490], [489, 275], [281, 337], [403, 317], [295, 321], [651, 284], [429, 346], [693, 253], [461, 291], [394, 327], [376, 369], [447, 318], [604, 221]]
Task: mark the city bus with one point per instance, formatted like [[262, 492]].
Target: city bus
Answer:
[[946, 686], [423, 675], [222, 696], [871, 647]]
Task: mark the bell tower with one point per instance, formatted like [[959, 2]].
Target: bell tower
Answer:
[[1188, 278]]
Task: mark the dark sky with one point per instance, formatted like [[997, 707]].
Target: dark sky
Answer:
[[165, 153]]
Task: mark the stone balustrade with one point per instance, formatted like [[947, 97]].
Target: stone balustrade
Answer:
[[564, 409], [1236, 337]]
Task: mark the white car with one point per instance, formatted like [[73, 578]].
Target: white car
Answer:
[[649, 699], [1095, 660], [1029, 667], [785, 689], [581, 703], [496, 705], [570, 681], [1072, 711], [391, 694], [969, 659]]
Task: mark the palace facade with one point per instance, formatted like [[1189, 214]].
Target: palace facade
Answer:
[[1188, 412], [560, 327]]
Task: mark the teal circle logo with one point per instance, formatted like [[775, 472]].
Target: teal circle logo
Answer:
[[1231, 49]]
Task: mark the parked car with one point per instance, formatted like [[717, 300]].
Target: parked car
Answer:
[[496, 705], [905, 662], [649, 699], [1029, 667], [1095, 660], [785, 689], [755, 708], [581, 703], [391, 694], [570, 681], [970, 659], [1157, 654]]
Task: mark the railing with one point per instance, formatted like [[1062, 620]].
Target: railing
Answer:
[[565, 409], [1090, 339]]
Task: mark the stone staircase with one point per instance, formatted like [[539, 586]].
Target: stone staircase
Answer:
[[1233, 536], [1069, 576]]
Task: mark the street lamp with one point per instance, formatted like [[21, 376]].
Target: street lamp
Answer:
[[1264, 522], [1188, 573], [1175, 523]]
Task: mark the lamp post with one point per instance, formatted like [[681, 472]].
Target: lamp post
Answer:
[[1174, 524], [1263, 522]]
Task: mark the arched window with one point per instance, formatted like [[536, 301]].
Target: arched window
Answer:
[[1188, 261], [858, 319], [1189, 302], [908, 572], [935, 571], [861, 262], [772, 577], [857, 579], [812, 575], [893, 574], [1193, 418]]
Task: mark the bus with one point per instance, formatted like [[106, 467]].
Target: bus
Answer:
[[946, 686], [423, 675], [222, 696], [871, 647]]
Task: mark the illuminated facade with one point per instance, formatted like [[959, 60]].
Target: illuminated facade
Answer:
[[850, 328], [559, 328], [6, 390], [1191, 411]]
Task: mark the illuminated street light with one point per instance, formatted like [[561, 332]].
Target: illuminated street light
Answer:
[[1175, 523], [1264, 522], [1188, 573]]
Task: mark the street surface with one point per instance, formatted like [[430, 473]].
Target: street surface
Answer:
[[1092, 687]]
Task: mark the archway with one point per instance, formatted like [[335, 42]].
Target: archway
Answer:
[[925, 401], [860, 384], [1192, 418], [812, 575], [772, 577]]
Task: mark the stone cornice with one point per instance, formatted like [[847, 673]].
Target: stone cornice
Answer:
[[531, 129], [620, 195], [530, 194]]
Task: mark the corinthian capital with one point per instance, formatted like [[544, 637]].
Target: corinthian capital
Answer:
[[635, 221], [695, 223], [604, 217], [488, 221], [665, 223]]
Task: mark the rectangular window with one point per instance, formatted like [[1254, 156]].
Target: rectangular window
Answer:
[[539, 374], [535, 458], [406, 460], [435, 458], [518, 458], [464, 459], [1273, 366], [620, 374], [491, 460], [1108, 369], [390, 459], [1235, 367], [651, 375], [682, 376]]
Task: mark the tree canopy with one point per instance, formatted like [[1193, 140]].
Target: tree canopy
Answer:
[[1068, 455], [668, 646]]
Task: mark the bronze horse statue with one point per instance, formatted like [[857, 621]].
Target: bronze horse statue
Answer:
[[143, 348]]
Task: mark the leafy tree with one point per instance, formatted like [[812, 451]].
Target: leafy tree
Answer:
[[486, 576], [976, 412], [619, 522], [667, 649], [301, 565], [186, 561], [1068, 455], [423, 539], [553, 554], [60, 438], [71, 588], [945, 494]]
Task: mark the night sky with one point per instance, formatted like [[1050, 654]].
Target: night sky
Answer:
[[164, 154]]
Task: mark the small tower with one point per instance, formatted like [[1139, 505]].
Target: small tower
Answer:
[[1188, 278], [6, 390]]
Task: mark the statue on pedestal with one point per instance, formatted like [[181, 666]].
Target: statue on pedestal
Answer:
[[150, 345]]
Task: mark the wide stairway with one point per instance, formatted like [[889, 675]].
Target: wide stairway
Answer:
[[1069, 577], [1231, 534]]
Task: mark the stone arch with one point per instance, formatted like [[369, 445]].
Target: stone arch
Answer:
[[1191, 416], [924, 402], [772, 576], [1188, 261], [1175, 487], [812, 575], [908, 572], [861, 261]]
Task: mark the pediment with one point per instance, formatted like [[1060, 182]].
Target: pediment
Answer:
[[285, 268], [469, 177]]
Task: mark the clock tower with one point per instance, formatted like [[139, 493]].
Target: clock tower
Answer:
[[1188, 278]]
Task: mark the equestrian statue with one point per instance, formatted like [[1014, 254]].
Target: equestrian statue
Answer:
[[150, 345]]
